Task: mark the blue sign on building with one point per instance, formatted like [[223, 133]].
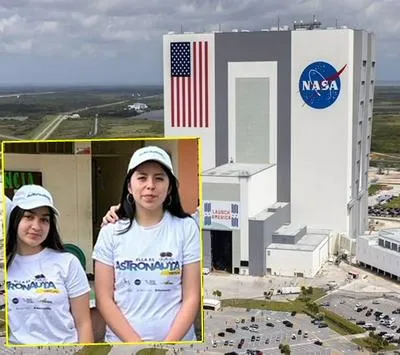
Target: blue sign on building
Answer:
[[320, 84]]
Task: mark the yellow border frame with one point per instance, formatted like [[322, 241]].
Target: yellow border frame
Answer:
[[200, 161]]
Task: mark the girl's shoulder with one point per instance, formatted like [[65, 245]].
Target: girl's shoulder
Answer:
[[186, 222], [60, 256], [113, 228]]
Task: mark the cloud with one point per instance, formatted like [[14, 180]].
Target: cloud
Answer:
[[109, 28]]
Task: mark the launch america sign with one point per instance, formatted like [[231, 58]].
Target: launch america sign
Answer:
[[221, 215], [320, 84]]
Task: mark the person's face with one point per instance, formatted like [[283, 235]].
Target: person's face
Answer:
[[33, 230], [149, 186]]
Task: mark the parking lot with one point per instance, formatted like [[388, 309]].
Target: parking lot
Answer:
[[346, 307], [266, 338]]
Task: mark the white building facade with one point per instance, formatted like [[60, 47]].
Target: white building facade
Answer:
[[298, 103], [380, 253]]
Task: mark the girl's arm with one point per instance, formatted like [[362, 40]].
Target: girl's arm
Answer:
[[104, 286], [81, 313], [191, 290]]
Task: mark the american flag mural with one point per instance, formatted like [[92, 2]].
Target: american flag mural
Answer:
[[189, 73]]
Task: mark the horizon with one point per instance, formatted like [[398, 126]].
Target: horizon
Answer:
[[124, 85], [92, 43]]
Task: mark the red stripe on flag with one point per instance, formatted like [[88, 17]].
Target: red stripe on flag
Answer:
[[178, 102], [183, 102], [190, 110], [206, 83], [201, 83], [195, 84], [173, 102]]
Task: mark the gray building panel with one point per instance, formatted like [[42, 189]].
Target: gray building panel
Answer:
[[207, 249], [260, 237], [252, 120], [235, 250], [221, 192], [357, 123], [289, 234], [255, 46]]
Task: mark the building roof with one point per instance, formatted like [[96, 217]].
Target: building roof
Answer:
[[268, 212], [236, 169], [307, 243], [290, 229], [392, 234]]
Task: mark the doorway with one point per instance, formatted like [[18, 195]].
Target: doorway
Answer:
[[221, 250]]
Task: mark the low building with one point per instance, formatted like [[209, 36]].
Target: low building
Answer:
[[380, 252], [307, 251], [212, 304], [138, 106]]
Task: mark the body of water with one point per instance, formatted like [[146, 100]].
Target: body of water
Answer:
[[156, 115]]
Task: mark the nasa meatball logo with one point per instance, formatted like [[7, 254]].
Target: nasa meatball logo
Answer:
[[319, 84]]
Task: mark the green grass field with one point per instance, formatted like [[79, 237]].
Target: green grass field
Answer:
[[395, 203], [386, 133], [125, 128]]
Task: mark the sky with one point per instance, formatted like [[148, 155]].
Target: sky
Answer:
[[73, 42]]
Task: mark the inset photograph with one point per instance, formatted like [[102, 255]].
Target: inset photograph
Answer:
[[103, 243]]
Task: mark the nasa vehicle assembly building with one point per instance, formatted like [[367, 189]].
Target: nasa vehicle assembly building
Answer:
[[285, 119]]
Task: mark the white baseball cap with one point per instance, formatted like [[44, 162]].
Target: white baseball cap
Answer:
[[150, 153], [29, 197]]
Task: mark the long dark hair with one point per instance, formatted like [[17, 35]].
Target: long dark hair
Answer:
[[172, 203], [53, 240]]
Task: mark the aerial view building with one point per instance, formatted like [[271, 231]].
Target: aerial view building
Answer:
[[286, 136]]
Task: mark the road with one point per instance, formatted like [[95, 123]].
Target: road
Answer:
[[3, 136], [28, 94], [51, 127]]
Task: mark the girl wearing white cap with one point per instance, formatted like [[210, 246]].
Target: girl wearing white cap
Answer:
[[147, 270], [48, 291]]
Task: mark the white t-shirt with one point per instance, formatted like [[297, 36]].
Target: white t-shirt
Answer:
[[147, 264], [39, 288]]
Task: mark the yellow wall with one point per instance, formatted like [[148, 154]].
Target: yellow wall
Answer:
[[188, 174], [68, 178]]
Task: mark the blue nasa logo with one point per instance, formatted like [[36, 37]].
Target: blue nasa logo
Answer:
[[15, 300], [320, 84], [137, 282]]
